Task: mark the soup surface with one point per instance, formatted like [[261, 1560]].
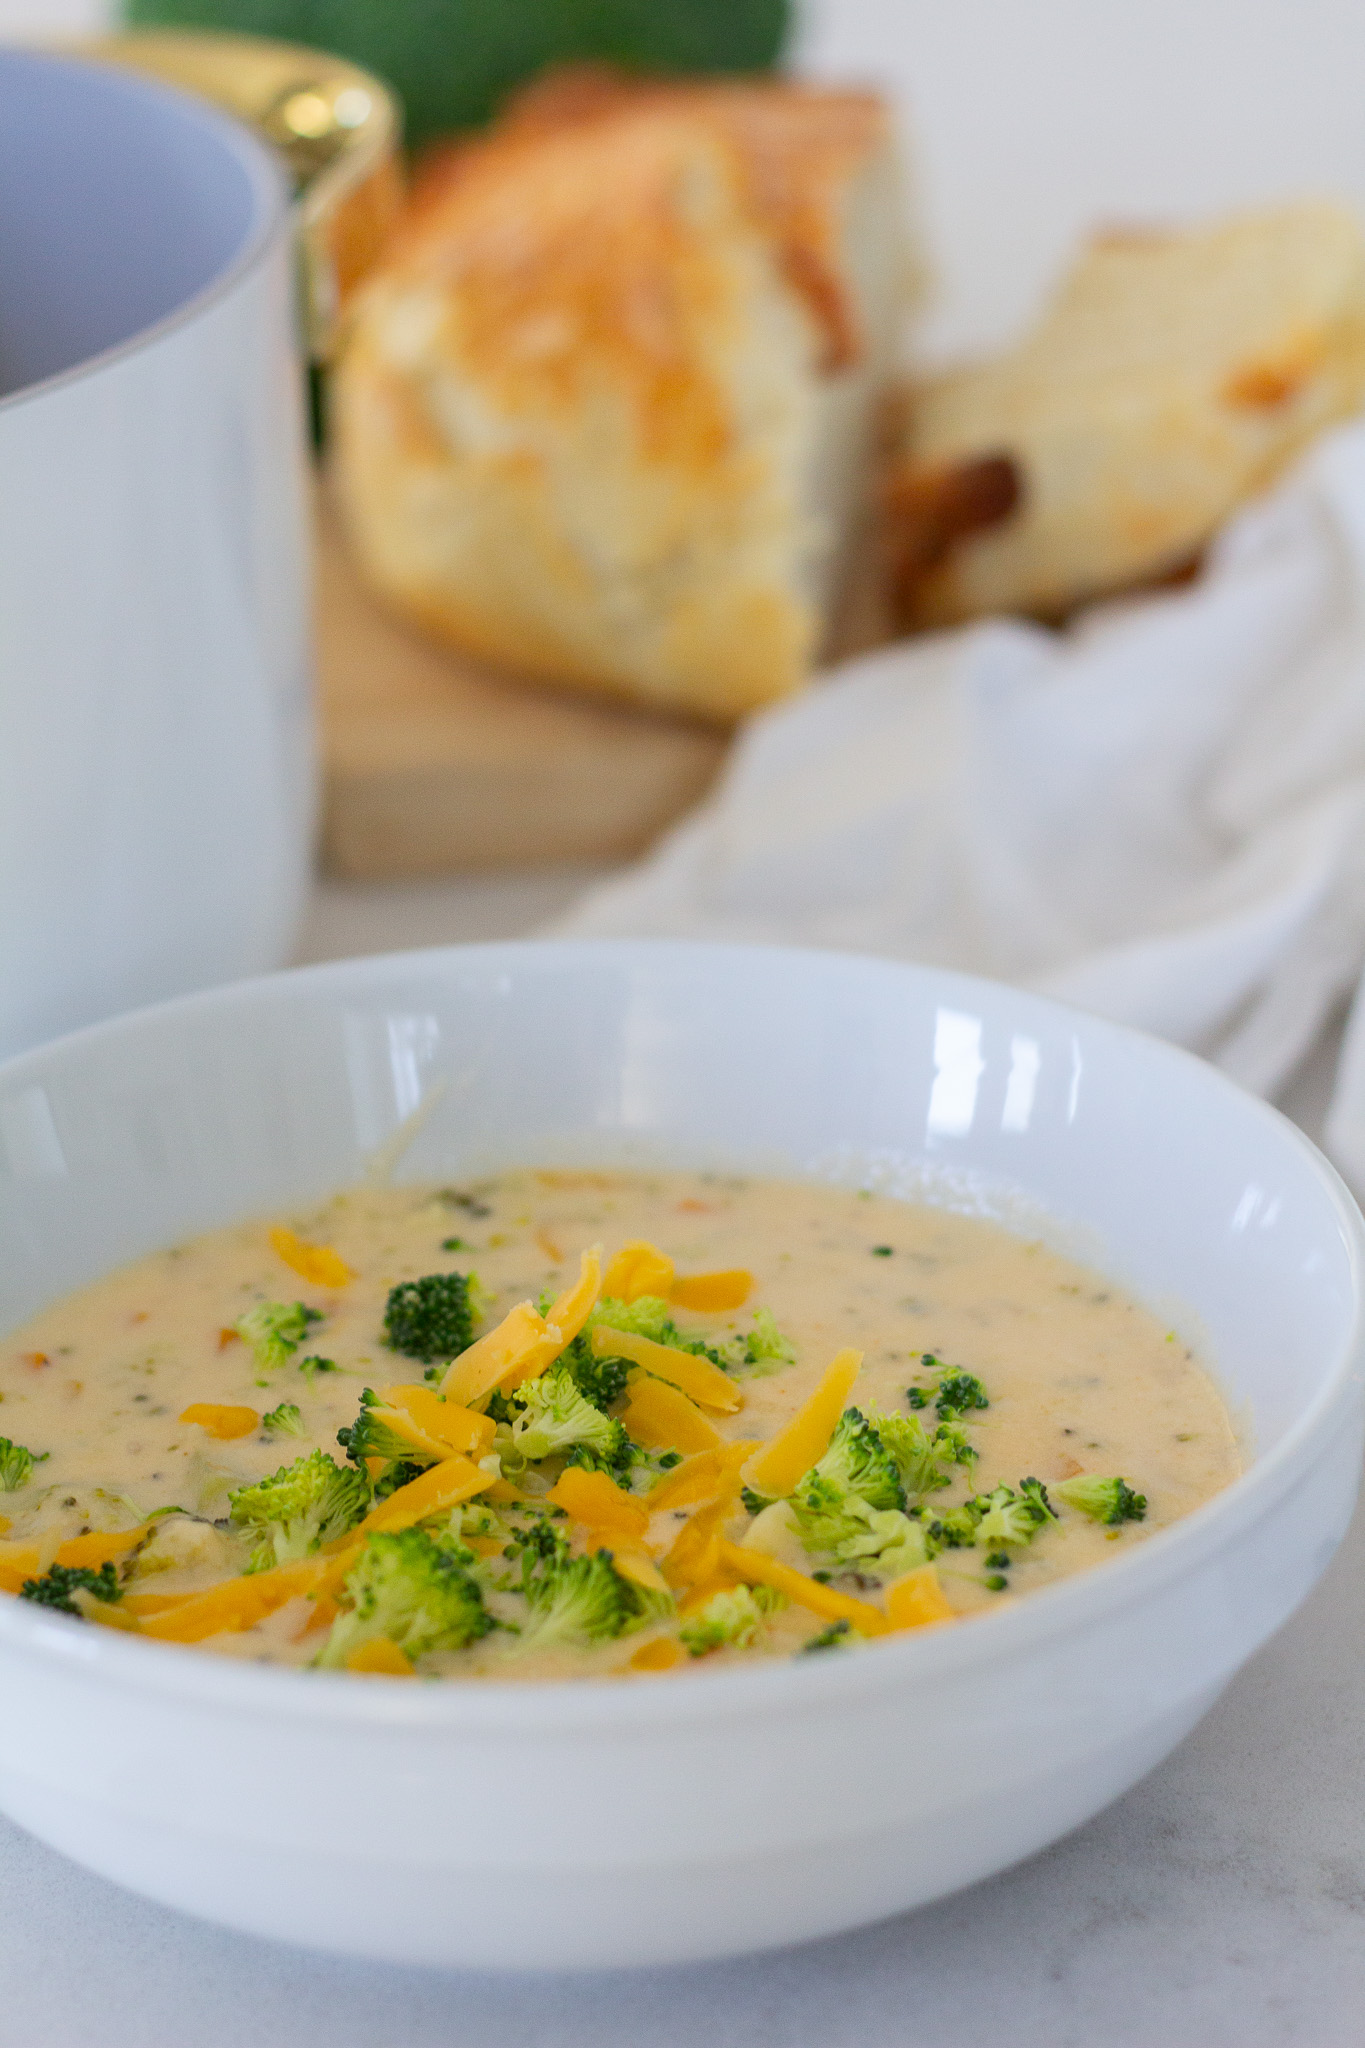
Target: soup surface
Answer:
[[673, 1458]]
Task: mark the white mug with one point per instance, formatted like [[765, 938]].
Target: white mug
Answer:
[[156, 747]]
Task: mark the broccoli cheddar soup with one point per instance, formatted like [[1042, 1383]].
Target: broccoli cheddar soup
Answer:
[[563, 1424]]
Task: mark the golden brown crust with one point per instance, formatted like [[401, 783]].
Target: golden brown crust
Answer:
[[576, 419], [1173, 377], [795, 148]]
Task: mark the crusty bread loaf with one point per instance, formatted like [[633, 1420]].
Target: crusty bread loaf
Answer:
[[605, 418], [1172, 377]]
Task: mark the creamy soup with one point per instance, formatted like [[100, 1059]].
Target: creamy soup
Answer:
[[659, 1422]]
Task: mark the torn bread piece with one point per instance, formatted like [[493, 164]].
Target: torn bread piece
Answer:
[[1173, 376], [606, 418]]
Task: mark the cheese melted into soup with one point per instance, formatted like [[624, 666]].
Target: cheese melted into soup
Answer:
[[1079, 1380]]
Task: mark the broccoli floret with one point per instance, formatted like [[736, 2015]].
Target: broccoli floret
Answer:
[[602, 1380], [372, 1435], [859, 1461], [579, 1599], [882, 1542], [413, 1588], [954, 1393], [599, 1380], [1010, 1517], [400, 1473], [311, 1367], [56, 1587], [275, 1330], [732, 1620], [432, 1318], [954, 1529], [766, 1350], [551, 1415], [922, 1461], [297, 1510], [648, 1316], [286, 1420], [851, 1504], [1105, 1500], [832, 1638], [950, 1445], [469, 1518], [958, 1393], [16, 1464]]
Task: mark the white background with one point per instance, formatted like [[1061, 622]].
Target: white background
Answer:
[[1029, 120]]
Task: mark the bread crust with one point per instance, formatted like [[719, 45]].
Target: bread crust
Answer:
[[575, 420], [1173, 377]]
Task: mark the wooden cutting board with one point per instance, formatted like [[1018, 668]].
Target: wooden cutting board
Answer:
[[434, 766]]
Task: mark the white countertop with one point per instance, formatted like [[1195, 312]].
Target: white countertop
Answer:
[[1221, 1902]]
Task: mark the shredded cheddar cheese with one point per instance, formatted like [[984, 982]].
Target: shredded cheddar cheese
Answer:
[[701, 1476], [234, 1605], [221, 1420], [712, 1293], [663, 1418], [917, 1600], [317, 1263], [518, 1348], [440, 1486], [757, 1569], [776, 1468], [593, 1498], [639, 1268], [697, 1377], [380, 1658], [440, 1428]]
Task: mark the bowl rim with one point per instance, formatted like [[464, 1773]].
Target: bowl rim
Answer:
[[271, 217], [776, 1686]]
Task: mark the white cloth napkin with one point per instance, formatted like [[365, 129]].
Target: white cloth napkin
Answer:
[[1158, 814]]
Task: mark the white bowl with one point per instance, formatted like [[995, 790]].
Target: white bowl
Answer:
[[601, 1823]]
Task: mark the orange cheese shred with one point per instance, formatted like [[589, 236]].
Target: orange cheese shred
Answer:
[[776, 1468], [20, 1561], [663, 1418], [696, 1552], [221, 1419], [90, 1552], [440, 1427], [697, 1595], [518, 1348], [659, 1655], [440, 1486], [757, 1569], [638, 1268], [918, 1600], [701, 1477], [592, 1498], [233, 1605], [571, 1309], [382, 1658], [315, 1262], [632, 1560], [139, 1604], [712, 1292], [697, 1377]]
